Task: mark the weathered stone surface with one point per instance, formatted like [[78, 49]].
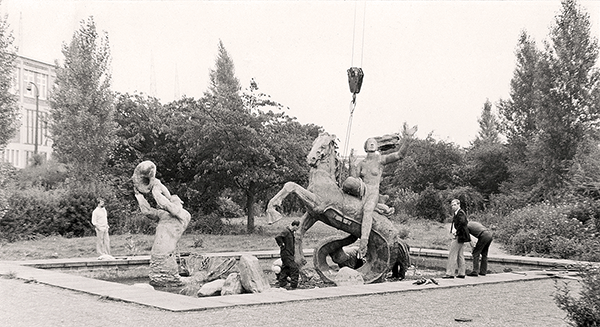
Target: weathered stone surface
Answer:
[[163, 271], [232, 285], [143, 285], [106, 257], [212, 288], [348, 276], [172, 218], [252, 276]]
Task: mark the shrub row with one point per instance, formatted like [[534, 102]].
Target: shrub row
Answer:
[[434, 204], [557, 231], [66, 210]]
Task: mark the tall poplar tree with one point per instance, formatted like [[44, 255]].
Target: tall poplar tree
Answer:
[[82, 103], [518, 113], [554, 106], [488, 126], [570, 107], [486, 167], [8, 102]]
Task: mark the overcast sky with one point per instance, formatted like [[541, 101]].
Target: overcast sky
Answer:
[[427, 63]]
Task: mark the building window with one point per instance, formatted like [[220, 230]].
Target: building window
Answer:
[[41, 80], [30, 126], [42, 127], [28, 76]]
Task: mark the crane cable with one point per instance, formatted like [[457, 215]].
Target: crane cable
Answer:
[[355, 76]]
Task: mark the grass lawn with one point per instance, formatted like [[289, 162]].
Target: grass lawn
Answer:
[[421, 233]]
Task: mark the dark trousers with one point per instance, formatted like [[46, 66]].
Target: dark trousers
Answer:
[[481, 250], [289, 269]]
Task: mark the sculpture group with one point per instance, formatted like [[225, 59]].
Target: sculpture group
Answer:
[[381, 248], [355, 207]]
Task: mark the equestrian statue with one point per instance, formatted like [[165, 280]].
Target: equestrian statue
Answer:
[[345, 208]]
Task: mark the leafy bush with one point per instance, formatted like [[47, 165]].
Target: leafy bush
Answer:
[[584, 210], [33, 211], [228, 208], [405, 201], [470, 199], [504, 204], [138, 223], [7, 173], [66, 210], [545, 230], [431, 205], [489, 219], [207, 224], [48, 175], [583, 310]]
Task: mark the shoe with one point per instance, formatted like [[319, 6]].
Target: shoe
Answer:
[[460, 276], [447, 277], [481, 274], [473, 274]]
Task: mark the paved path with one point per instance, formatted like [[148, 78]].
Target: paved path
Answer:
[[175, 302], [491, 305], [38, 291]]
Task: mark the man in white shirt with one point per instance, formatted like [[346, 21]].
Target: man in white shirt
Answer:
[[100, 222]]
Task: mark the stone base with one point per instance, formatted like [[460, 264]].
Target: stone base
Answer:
[[164, 271]]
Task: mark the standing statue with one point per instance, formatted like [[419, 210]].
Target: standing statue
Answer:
[[370, 171], [327, 202], [172, 218]]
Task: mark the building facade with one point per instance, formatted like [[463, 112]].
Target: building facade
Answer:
[[32, 77]]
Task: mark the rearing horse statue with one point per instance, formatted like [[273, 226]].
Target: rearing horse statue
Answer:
[[328, 203]]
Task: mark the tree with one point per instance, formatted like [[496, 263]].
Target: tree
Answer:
[[82, 124], [145, 132], [518, 113], [224, 87], [488, 126], [9, 110], [486, 161], [554, 105], [429, 163], [570, 107], [240, 146], [486, 168]]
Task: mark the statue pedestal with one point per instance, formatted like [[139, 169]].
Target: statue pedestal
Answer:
[[164, 271]]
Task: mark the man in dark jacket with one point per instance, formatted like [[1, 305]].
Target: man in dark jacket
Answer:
[[290, 268], [460, 231], [484, 239]]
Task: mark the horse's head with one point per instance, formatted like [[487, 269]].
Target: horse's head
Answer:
[[322, 147], [390, 142]]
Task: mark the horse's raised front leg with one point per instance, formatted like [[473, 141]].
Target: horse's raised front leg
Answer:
[[306, 222], [290, 187]]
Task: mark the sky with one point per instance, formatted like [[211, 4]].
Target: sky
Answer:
[[432, 64]]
